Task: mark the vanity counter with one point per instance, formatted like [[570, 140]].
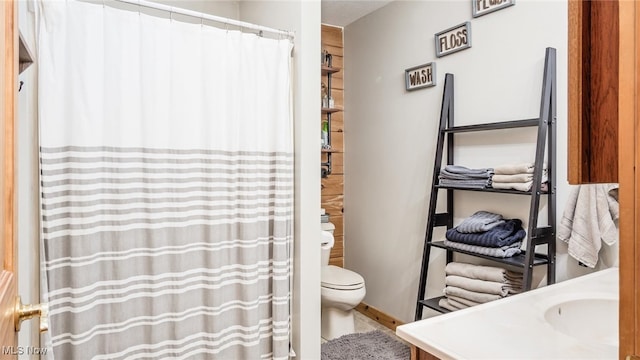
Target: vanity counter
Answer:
[[574, 319]]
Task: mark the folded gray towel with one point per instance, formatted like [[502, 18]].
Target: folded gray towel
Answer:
[[444, 302], [470, 295], [462, 300], [500, 252], [469, 184], [482, 272], [461, 172], [481, 221], [483, 286]]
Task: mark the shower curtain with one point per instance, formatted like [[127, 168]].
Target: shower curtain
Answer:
[[166, 187]]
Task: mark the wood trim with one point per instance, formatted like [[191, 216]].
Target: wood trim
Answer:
[[9, 114], [379, 316], [629, 160], [419, 354], [8, 291]]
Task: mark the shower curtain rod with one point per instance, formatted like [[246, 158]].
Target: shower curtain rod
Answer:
[[200, 15]]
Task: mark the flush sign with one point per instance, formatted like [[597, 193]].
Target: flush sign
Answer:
[[482, 7], [453, 39]]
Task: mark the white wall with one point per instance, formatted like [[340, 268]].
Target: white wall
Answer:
[[390, 133], [302, 17]]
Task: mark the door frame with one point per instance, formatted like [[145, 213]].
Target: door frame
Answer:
[[629, 178], [8, 248]]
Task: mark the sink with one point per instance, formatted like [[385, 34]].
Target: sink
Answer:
[[591, 318]]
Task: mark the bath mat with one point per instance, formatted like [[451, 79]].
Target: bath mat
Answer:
[[373, 345]]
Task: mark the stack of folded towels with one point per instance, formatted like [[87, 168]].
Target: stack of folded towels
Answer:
[[516, 177], [460, 176], [468, 285], [487, 233]]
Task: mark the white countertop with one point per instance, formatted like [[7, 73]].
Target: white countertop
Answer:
[[515, 327]]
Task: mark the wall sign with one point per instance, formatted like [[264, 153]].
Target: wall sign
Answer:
[[482, 7], [453, 39], [420, 76]]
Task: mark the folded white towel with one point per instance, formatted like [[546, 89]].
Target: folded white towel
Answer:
[[509, 169], [444, 302], [483, 286], [482, 272], [470, 295], [590, 217], [520, 186], [517, 178], [463, 301]]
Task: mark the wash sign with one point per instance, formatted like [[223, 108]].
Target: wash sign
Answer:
[[420, 76]]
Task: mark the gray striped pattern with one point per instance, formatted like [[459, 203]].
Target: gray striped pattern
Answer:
[[163, 253]]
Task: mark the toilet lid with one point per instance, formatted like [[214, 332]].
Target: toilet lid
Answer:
[[334, 277]]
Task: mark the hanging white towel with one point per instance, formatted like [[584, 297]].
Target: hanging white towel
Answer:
[[590, 218]]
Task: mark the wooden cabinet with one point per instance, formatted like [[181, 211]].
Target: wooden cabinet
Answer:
[[603, 57], [593, 91]]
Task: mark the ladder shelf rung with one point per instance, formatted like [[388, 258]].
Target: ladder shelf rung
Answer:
[[433, 304], [494, 126], [517, 260], [491, 190]]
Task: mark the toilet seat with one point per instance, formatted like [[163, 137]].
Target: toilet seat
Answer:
[[334, 277]]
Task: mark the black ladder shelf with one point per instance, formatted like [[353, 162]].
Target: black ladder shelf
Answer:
[[536, 235]]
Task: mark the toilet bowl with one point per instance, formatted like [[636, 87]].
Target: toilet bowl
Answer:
[[341, 291]]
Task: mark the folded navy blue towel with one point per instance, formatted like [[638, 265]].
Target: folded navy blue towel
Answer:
[[503, 234]]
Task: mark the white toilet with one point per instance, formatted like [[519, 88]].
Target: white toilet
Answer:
[[341, 291]]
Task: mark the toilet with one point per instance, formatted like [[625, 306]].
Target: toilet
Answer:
[[341, 290]]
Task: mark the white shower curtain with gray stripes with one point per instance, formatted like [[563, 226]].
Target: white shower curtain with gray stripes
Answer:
[[167, 187]]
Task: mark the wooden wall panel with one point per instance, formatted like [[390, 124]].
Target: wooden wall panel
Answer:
[[337, 122], [332, 185], [332, 190], [337, 261], [338, 163], [337, 141]]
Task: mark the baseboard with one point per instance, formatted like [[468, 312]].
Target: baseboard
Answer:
[[379, 316]]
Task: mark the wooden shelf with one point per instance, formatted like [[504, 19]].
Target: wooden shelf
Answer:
[[330, 151], [329, 70], [331, 110]]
